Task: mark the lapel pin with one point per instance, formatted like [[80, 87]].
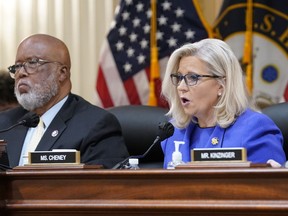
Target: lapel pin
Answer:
[[54, 133], [215, 141]]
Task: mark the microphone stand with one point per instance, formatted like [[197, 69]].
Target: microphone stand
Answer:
[[122, 163], [7, 129], [29, 120], [166, 129]]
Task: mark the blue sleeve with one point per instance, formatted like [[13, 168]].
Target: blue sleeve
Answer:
[[262, 139], [163, 145]]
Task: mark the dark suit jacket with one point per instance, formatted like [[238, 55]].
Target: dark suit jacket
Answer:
[[93, 131]]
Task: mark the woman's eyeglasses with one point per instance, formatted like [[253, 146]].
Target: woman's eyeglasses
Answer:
[[190, 79]]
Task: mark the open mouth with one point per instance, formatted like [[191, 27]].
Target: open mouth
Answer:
[[184, 100]]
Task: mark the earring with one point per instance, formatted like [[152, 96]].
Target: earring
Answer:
[[219, 94]]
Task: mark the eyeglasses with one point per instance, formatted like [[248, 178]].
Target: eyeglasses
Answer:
[[190, 79], [30, 66]]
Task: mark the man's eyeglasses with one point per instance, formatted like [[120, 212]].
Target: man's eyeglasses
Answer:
[[30, 66], [190, 79]]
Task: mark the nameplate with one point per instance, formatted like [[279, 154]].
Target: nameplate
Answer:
[[219, 154], [54, 157]]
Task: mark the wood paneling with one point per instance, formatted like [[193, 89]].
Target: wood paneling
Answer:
[[257, 191]]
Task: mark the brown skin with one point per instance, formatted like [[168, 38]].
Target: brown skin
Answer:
[[47, 48]]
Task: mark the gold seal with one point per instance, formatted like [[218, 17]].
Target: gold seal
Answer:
[[215, 141]]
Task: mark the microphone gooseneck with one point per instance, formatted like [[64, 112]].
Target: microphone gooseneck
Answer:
[[166, 130], [29, 120]]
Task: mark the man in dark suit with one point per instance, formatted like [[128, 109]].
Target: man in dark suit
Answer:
[[43, 86]]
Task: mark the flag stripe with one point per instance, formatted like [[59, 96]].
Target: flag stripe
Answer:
[[131, 90], [104, 93], [142, 80], [111, 75]]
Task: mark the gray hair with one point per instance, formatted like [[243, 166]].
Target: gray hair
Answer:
[[220, 61]]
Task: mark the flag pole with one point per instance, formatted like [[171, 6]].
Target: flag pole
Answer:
[[154, 65], [248, 46]]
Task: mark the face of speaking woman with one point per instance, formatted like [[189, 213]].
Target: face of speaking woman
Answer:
[[198, 94]]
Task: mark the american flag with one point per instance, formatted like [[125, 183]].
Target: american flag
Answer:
[[124, 66]]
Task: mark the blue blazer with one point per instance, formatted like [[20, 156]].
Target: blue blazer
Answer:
[[252, 130], [95, 132]]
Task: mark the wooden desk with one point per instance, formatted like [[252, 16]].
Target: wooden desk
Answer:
[[237, 191]]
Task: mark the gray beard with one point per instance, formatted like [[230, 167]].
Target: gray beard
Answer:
[[39, 94]]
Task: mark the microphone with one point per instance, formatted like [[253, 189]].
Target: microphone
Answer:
[[30, 119], [166, 130]]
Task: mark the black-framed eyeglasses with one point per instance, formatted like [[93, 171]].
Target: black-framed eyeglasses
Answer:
[[190, 79], [30, 66]]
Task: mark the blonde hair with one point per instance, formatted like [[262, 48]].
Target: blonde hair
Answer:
[[220, 61]]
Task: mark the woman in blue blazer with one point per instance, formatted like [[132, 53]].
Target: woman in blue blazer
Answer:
[[210, 107]]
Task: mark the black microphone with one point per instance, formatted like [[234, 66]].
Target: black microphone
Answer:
[[166, 130], [29, 120]]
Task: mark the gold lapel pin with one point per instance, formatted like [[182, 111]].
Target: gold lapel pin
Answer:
[[215, 141]]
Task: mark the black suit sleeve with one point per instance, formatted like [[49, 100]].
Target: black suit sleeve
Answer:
[[104, 143]]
